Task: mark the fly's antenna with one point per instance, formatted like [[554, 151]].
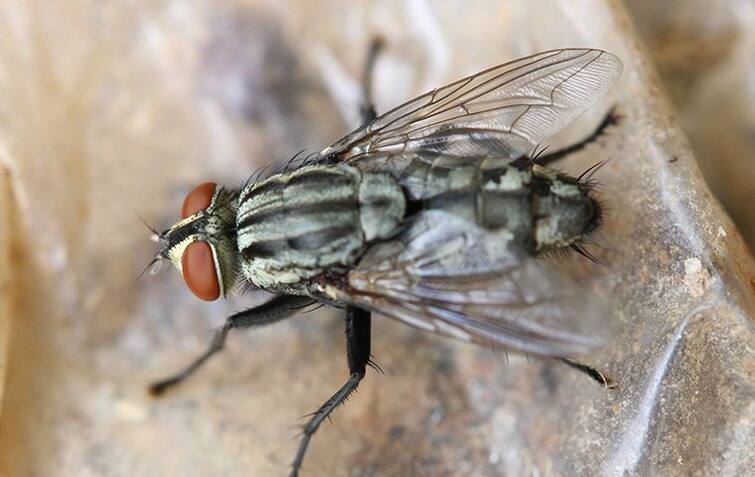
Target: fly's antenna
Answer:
[[151, 266], [151, 228]]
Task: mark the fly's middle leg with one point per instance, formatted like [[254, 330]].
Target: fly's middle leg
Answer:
[[358, 354], [279, 308]]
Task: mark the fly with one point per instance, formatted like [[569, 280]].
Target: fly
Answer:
[[434, 213]]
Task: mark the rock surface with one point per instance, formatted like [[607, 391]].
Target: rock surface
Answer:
[[705, 53], [113, 110]]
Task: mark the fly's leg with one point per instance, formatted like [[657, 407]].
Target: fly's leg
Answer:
[[279, 308], [611, 119], [594, 374], [358, 355], [367, 110]]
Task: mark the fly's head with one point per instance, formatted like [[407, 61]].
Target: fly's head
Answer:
[[564, 208], [202, 245]]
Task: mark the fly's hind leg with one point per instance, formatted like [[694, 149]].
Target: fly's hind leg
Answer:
[[367, 110], [279, 308], [593, 373], [612, 118], [358, 355]]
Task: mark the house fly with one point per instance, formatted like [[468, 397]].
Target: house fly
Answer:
[[435, 213]]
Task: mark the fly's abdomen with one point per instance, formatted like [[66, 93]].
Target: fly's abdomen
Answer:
[[540, 208], [495, 195], [296, 224], [504, 202]]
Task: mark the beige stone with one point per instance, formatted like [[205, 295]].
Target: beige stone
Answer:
[[113, 110]]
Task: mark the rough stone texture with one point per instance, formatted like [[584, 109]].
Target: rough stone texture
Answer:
[[705, 53], [5, 275], [110, 110]]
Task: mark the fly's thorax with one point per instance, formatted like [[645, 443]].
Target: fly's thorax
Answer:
[[294, 225], [563, 209], [214, 225]]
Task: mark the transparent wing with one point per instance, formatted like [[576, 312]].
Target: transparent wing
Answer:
[[506, 110], [446, 275]]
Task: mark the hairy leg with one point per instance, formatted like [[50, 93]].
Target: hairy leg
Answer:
[[367, 109], [612, 118], [279, 308], [358, 354], [593, 373]]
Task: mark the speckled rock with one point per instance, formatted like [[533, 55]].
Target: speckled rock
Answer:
[[113, 110], [705, 53]]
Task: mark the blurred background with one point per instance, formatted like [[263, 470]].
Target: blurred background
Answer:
[[705, 54], [112, 111]]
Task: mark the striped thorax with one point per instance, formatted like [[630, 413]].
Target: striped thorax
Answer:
[[294, 225]]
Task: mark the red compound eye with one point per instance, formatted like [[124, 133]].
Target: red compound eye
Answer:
[[198, 199], [199, 271]]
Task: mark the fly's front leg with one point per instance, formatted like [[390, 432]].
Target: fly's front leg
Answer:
[[367, 109], [611, 119], [358, 354], [279, 308]]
